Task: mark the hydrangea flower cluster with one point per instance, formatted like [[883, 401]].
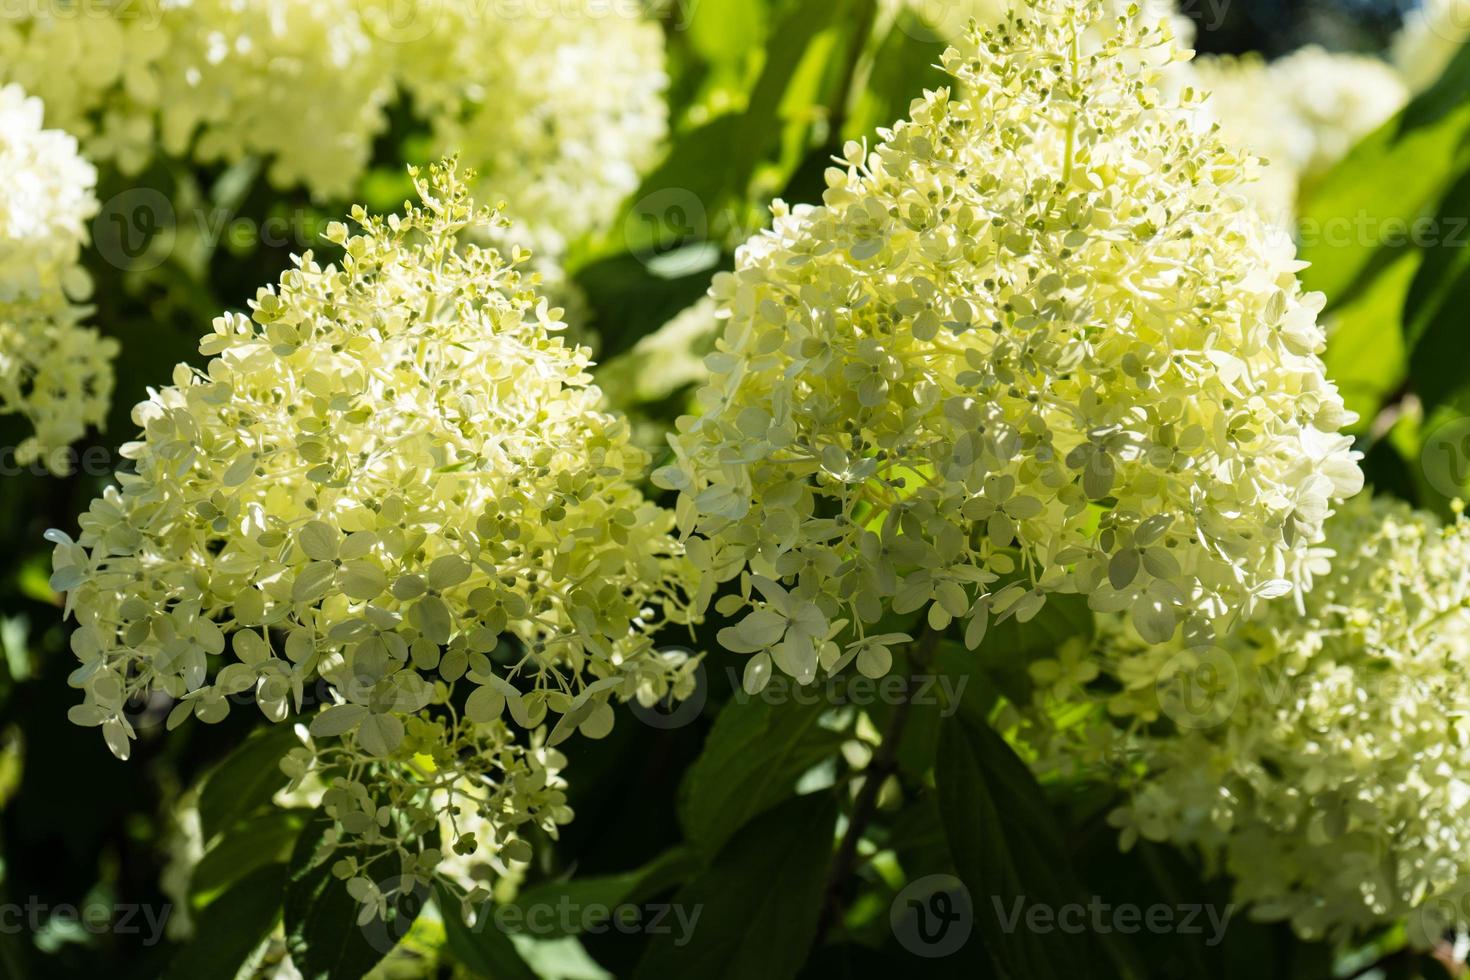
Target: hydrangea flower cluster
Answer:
[[97, 66], [301, 83], [54, 371], [393, 478], [298, 81], [560, 106], [1035, 342], [1321, 751], [1433, 32], [1302, 113], [950, 18]]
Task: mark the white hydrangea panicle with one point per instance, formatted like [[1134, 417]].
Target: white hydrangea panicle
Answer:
[[393, 475], [96, 65], [1035, 342], [1320, 753], [54, 371], [948, 19], [1301, 113], [559, 106], [1433, 33], [300, 83], [46, 200], [58, 374]]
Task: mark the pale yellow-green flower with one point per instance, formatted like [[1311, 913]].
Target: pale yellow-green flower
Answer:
[[394, 476], [300, 83], [1035, 342], [1321, 753]]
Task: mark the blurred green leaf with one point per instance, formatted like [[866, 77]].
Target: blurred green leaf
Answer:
[[758, 903], [1008, 850], [726, 30], [1434, 310], [904, 65], [1387, 182], [608, 891], [1006, 653], [709, 169], [632, 299], [1365, 353], [322, 933], [481, 948], [232, 926], [246, 780], [751, 761], [265, 838]]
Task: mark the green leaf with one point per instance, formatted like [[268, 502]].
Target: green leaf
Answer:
[[231, 927], [1007, 849], [1365, 344], [671, 868], [246, 780], [1360, 215], [712, 166], [726, 30], [265, 838], [322, 933], [630, 297], [751, 761], [757, 904], [1434, 311], [481, 948]]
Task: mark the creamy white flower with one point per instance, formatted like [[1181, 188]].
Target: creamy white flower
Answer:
[[394, 476], [1320, 751], [1034, 342], [55, 372], [559, 106], [1433, 32], [299, 82]]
